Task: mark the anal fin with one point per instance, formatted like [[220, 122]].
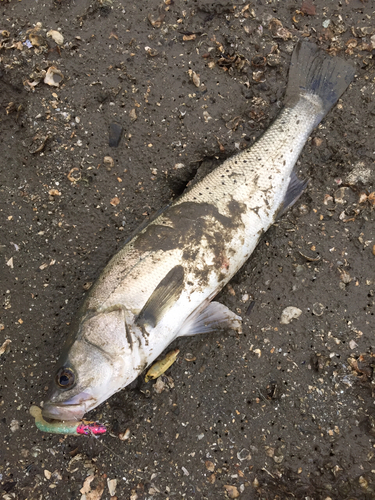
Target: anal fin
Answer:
[[214, 317], [295, 189]]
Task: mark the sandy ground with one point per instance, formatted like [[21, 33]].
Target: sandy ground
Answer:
[[282, 411]]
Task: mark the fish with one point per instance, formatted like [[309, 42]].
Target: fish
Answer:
[[162, 283]]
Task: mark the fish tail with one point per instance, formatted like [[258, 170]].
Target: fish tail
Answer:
[[313, 73]]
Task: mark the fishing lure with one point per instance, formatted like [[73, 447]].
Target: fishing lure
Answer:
[[60, 427], [162, 366]]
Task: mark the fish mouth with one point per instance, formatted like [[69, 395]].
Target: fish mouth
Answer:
[[63, 412], [72, 409]]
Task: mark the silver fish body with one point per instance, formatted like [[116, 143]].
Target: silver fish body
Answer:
[[161, 284]]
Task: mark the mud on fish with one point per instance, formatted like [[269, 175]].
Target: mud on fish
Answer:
[[162, 283]]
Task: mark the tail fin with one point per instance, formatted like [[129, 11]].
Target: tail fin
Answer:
[[313, 72]]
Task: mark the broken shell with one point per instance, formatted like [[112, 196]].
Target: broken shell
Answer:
[[231, 491], [317, 141], [123, 436], [244, 454], [163, 383], [278, 31], [194, 77], [133, 115], [258, 62], [210, 466], [36, 40], [111, 483], [40, 144], [363, 483], [273, 60], [309, 258], [189, 357], [270, 451], [54, 192], [303, 209], [156, 23], [345, 277], [56, 36], [290, 313], [5, 347], [53, 77], [151, 52], [278, 458], [341, 194], [108, 162], [234, 123], [75, 177], [115, 201], [318, 309], [362, 198], [188, 38], [353, 344], [308, 8], [258, 76], [328, 200], [371, 198]]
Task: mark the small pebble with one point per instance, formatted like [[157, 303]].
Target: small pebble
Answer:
[[115, 133]]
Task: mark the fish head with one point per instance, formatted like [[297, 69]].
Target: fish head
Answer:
[[97, 362]]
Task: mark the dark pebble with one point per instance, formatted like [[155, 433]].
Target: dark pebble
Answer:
[[115, 133]]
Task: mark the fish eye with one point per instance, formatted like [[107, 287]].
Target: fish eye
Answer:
[[65, 378]]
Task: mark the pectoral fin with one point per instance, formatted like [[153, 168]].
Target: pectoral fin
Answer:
[[214, 317], [162, 298]]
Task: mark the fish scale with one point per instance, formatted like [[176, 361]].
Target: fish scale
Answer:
[[162, 283]]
